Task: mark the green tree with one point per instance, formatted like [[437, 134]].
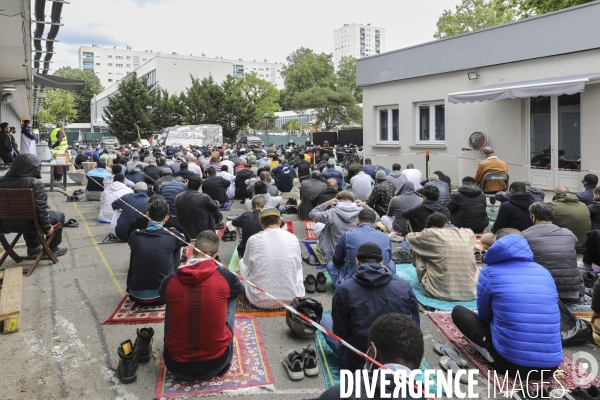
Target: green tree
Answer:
[[92, 87], [472, 15], [346, 77], [333, 107], [305, 70], [132, 104], [263, 95], [58, 106], [235, 111], [167, 110], [200, 102]]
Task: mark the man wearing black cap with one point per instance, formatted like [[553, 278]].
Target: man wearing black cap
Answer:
[[372, 292]]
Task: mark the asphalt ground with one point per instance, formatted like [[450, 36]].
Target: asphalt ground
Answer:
[[63, 352]]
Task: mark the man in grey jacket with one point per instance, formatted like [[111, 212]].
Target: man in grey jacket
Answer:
[[334, 218], [396, 176], [553, 248], [434, 180]]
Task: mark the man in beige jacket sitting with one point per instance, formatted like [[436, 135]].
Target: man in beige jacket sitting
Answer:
[[445, 259]]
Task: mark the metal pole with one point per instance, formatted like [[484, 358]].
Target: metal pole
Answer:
[[427, 165]]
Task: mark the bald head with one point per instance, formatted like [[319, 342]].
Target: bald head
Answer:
[[315, 175], [265, 176], [332, 184], [561, 189]]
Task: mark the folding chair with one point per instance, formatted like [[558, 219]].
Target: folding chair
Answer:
[[495, 177], [19, 205]]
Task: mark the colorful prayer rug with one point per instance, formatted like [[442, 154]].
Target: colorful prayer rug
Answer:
[[249, 368], [290, 226], [129, 313], [109, 240], [311, 246], [331, 364], [226, 206], [309, 226], [244, 307], [573, 375], [409, 273], [234, 263]]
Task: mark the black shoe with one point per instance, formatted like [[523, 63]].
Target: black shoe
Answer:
[[226, 236], [311, 368], [294, 364], [59, 251], [591, 393], [219, 226], [143, 343], [589, 279], [321, 282], [309, 283], [34, 251], [128, 365], [232, 236], [311, 260]]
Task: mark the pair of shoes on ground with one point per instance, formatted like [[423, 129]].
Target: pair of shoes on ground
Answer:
[[451, 360], [58, 251], [299, 365], [319, 283], [229, 236], [591, 393], [131, 356]]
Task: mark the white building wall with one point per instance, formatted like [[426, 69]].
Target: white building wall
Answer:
[[503, 121]]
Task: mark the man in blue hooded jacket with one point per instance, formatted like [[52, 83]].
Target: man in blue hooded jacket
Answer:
[[373, 291], [517, 327]]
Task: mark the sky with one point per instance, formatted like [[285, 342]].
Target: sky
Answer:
[[233, 29]]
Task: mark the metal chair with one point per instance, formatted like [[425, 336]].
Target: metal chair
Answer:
[[494, 177]]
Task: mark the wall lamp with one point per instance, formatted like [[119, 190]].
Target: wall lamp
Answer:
[[472, 75]]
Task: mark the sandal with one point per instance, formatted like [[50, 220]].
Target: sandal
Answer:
[[78, 192], [455, 365], [71, 224], [311, 260]]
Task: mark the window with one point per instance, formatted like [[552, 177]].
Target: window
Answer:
[[128, 65], [110, 80], [97, 55], [388, 127], [431, 122], [109, 56], [110, 73], [143, 59], [97, 63], [119, 65], [119, 57], [128, 57], [110, 64]]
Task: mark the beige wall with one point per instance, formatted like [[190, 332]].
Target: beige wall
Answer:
[[503, 121]]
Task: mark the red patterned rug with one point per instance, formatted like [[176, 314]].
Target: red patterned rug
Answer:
[[309, 226], [574, 375], [249, 368], [129, 313]]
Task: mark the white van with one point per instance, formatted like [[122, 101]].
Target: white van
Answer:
[[193, 135]]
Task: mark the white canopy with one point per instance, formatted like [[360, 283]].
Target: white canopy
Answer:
[[541, 87]]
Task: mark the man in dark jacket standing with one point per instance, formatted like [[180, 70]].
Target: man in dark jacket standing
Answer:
[[196, 211], [24, 173], [468, 207], [310, 188], [5, 144], [216, 186], [554, 249], [417, 216], [373, 291]]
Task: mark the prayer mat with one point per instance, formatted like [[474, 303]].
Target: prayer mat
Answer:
[[102, 223], [290, 226], [584, 304], [109, 240], [573, 372], [244, 307], [311, 246], [249, 368], [234, 263], [309, 226], [409, 273], [129, 313], [331, 364], [226, 206], [383, 228]]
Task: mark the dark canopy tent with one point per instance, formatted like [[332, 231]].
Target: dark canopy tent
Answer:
[[58, 82], [320, 137], [350, 136]]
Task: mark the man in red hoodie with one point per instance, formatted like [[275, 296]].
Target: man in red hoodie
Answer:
[[200, 315]]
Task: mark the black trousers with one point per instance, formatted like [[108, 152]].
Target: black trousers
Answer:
[[32, 240], [479, 333]]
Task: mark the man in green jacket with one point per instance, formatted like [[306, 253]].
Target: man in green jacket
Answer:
[[572, 214]]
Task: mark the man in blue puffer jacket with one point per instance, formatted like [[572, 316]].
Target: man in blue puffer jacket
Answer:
[[517, 327]]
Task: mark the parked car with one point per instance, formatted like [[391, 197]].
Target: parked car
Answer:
[[109, 141], [249, 140]]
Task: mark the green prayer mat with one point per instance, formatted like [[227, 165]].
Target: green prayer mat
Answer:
[[109, 240], [234, 264]]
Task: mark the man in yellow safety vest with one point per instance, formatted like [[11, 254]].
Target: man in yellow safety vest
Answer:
[[58, 144]]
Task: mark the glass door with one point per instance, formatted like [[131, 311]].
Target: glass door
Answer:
[[555, 141]]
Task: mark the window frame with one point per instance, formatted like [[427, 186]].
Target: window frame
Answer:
[[432, 122], [390, 133]]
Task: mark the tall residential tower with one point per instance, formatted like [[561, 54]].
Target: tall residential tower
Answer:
[[358, 41]]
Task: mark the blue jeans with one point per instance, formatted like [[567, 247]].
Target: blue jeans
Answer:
[[336, 347], [7, 158]]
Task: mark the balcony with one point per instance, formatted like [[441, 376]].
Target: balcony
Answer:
[[88, 58]]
